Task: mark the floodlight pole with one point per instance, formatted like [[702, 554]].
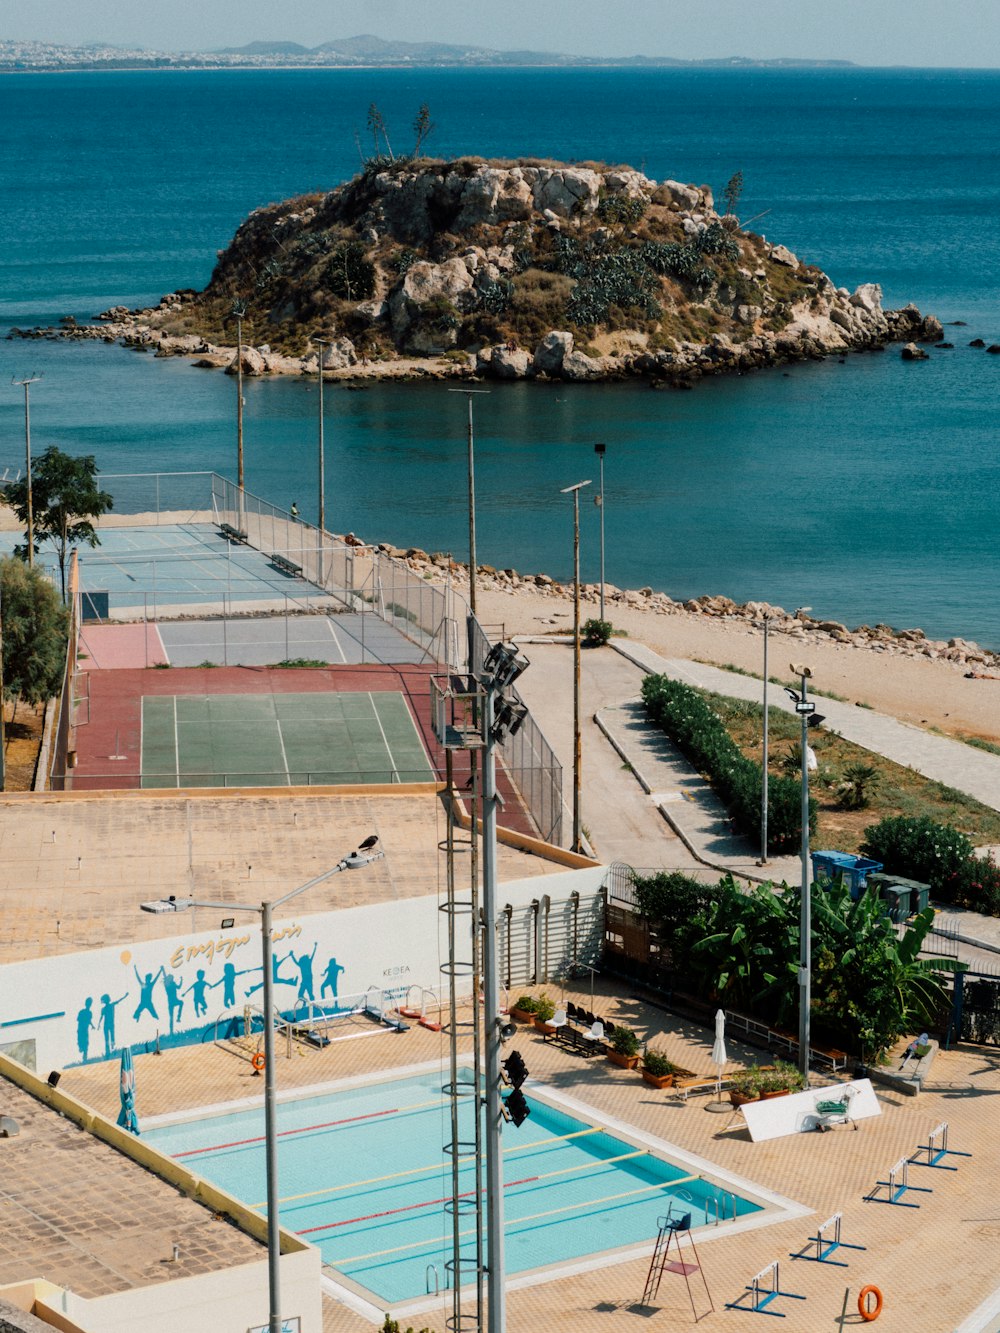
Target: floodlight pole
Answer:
[[239, 311], [496, 1299], [804, 708], [321, 499], [763, 780], [577, 747], [600, 450], [265, 912], [471, 470], [26, 386]]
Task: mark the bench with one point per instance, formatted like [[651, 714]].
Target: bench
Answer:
[[685, 1087], [572, 1039], [232, 534], [284, 565]]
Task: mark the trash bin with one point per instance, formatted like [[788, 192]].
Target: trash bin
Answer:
[[903, 896], [829, 867]]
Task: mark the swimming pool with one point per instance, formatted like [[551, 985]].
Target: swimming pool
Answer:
[[363, 1176]]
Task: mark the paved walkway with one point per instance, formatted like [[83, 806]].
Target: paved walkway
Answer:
[[644, 804]]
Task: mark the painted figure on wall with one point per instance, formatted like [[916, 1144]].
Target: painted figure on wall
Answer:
[[228, 983], [84, 1026], [198, 987], [145, 1005], [304, 962], [276, 978], [330, 977], [108, 1006], [172, 985]]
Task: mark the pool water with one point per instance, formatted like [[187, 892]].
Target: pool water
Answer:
[[364, 1177]]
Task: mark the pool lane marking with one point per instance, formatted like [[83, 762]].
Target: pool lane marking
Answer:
[[418, 1170], [308, 1129], [532, 1217], [468, 1194]]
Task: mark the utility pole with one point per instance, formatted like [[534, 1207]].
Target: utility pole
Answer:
[[600, 450], [471, 469], [807, 712], [321, 343], [26, 386], [763, 784], [239, 311], [577, 745]]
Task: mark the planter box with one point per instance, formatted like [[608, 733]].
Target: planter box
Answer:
[[623, 1061], [544, 1024], [658, 1080], [523, 1015], [782, 1092], [739, 1098]]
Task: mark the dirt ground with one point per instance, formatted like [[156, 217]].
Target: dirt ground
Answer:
[[22, 739]]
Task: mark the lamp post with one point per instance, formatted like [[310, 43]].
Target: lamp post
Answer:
[[807, 712], [600, 450], [366, 853], [321, 496], [239, 311], [577, 755], [471, 470], [26, 386], [763, 780]]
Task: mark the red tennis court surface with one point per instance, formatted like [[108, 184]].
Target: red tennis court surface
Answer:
[[109, 746]]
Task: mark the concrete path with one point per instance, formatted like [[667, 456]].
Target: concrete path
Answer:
[[976, 772], [642, 803]]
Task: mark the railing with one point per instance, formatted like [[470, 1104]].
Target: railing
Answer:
[[63, 743]]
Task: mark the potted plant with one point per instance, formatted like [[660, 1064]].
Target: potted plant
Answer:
[[779, 1081], [523, 1009], [744, 1085], [544, 1009], [623, 1048], [657, 1070]]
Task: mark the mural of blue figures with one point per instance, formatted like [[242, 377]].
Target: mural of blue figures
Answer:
[[84, 1026], [333, 971], [108, 1007]]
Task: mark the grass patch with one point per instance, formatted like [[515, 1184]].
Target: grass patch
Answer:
[[899, 790]]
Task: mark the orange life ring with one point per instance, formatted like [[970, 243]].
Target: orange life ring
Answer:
[[869, 1315], [258, 1061]]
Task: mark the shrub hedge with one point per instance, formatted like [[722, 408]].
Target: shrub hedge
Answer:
[[938, 855], [698, 732]]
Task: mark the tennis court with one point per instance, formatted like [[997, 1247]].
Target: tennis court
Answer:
[[247, 740]]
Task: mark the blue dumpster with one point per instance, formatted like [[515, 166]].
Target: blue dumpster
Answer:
[[829, 867]]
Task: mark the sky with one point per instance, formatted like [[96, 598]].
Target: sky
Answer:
[[867, 32]]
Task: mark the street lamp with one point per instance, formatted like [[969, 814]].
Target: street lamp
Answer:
[[238, 311], [577, 756], [807, 712], [26, 386], [321, 505], [367, 852], [600, 450]]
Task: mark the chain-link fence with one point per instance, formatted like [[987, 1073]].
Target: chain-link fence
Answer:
[[527, 756]]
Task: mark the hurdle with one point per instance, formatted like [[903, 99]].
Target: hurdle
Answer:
[[825, 1245], [936, 1147], [761, 1296], [897, 1185]]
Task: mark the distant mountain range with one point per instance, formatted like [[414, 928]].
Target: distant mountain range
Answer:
[[364, 50]]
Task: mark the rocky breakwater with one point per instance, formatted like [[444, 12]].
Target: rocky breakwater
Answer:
[[798, 625], [510, 270]]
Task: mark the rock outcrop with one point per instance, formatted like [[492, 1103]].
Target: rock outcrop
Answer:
[[512, 269]]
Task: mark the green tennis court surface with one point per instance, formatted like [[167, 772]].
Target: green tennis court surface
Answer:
[[267, 740]]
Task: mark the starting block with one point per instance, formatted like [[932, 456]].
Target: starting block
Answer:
[[897, 1185], [936, 1147], [825, 1245], [761, 1296]]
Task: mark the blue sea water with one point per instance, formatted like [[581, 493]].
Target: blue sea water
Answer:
[[867, 490]]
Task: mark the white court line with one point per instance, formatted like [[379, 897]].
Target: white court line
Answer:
[[392, 759], [333, 633], [281, 742], [177, 747]]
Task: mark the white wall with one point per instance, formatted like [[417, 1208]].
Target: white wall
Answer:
[[388, 945], [231, 1300]]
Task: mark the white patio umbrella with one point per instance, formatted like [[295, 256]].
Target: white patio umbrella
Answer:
[[719, 1057]]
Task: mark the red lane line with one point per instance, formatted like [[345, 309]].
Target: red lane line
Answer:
[[306, 1129], [407, 1208]]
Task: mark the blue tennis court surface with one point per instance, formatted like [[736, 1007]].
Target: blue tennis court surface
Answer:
[[266, 740], [364, 1177]]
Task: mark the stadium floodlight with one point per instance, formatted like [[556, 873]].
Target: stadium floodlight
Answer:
[[517, 1109], [515, 1069]]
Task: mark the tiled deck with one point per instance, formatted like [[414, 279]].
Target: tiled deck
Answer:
[[934, 1266]]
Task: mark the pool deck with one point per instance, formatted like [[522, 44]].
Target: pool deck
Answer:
[[934, 1266]]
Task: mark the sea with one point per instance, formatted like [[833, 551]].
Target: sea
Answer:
[[866, 488]]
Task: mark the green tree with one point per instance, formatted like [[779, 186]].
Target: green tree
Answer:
[[33, 624], [423, 128], [733, 192], [65, 498]]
